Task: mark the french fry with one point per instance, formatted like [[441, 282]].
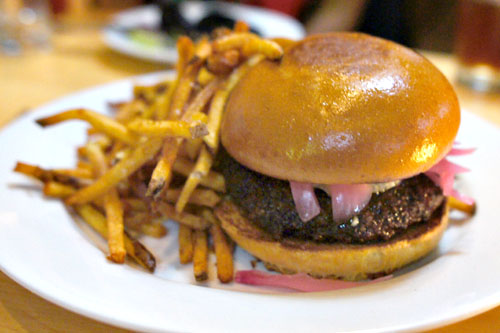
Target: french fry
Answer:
[[198, 127], [185, 51], [99, 121], [192, 147], [215, 117], [186, 75], [201, 197], [183, 91], [462, 206], [128, 165], [154, 98], [114, 217], [162, 105], [208, 215], [241, 26], [149, 112], [130, 110], [213, 180], [198, 118], [134, 248], [84, 165], [78, 172], [204, 76], [45, 175], [188, 219], [224, 62], [135, 220], [285, 43], [201, 100], [200, 170], [203, 49], [223, 253], [112, 206], [200, 256], [250, 44], [232, 41], [164, 128], [91, 131], [185, 244], [154, 229], [94, 218], [149, 92], [102, 140], [34, 171], [57, 190], [135, 204], [219, 102], [268, 48], [117, 154], [140, 253], [162, 173]]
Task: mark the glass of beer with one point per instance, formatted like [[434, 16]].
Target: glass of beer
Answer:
[[477, 44]]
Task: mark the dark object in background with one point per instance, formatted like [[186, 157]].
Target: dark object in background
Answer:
[[213, 21], [423, 24], [171, 18], [174, 23], [384, 18]]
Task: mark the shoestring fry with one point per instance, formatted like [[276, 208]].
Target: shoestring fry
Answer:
[[152, 159]]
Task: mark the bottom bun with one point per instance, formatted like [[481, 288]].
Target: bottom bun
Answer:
[[345, 261]]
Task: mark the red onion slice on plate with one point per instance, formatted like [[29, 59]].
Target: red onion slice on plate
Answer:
[[297, 282]]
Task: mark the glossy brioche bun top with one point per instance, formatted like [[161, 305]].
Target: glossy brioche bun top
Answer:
[[341, 108]]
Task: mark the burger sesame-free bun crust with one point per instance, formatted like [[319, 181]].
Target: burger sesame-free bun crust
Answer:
[[346, 261], [341, 108]]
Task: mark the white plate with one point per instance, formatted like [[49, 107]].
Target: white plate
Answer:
[[43, 248], [269, 24]]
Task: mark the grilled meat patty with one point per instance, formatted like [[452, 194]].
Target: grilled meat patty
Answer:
[[268, 203]]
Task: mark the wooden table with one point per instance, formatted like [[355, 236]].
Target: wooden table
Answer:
[[79, 60]]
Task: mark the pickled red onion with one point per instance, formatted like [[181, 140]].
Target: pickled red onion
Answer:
[[348, 199], [305, 200], [461, 151], [443, 174], [297, 282]]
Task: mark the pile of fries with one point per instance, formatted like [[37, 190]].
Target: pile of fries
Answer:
[[153, 160]]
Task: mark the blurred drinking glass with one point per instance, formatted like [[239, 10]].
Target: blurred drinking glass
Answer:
[[477, 44], [24, 25]]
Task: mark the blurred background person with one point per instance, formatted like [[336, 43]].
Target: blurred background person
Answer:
[[424, 24]]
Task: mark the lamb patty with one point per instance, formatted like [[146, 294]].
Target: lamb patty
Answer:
[[268, 203]]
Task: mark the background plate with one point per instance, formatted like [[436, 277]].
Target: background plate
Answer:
[[43, 248]]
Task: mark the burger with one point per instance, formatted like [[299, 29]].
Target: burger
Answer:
[[325, 154]]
